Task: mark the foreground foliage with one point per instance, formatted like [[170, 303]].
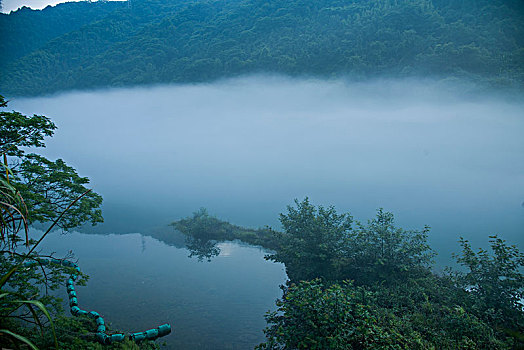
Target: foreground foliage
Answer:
[[46, 187], [394, 300], [34, 189], [318, 242], [370, 286], [75, 333], [495, 283], [315, 315]]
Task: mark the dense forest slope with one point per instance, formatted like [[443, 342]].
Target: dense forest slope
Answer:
[[26, 30], [90, 45]]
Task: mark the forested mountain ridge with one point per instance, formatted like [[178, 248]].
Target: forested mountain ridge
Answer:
[[191, 41], [28, 30]]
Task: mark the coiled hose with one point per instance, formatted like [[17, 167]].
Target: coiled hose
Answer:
[[101, 335]]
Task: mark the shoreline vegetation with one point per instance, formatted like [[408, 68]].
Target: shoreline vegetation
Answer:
[[34, 189], [354, 285]]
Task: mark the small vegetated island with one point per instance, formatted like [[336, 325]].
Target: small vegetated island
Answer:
[[371, 286]]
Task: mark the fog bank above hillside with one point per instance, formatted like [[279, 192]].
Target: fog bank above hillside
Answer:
[[246, 148]]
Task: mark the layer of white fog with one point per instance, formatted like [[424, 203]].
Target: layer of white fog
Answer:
[[248, 147]]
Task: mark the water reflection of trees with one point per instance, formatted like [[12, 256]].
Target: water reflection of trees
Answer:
[[203, 232], [202, 248]]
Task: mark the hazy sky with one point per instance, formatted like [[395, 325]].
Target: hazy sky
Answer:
[[13, 5]]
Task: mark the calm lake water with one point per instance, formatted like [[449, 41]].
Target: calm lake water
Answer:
[[137, 283], [432, 153]]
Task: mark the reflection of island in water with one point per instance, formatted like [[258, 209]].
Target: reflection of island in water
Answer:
[[203, 232], [201, 248], [200, 233]]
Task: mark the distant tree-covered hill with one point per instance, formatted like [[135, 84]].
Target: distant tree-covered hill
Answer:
[[153, 41], [27, 30]]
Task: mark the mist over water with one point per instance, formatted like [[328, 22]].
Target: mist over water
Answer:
[[245, 148]]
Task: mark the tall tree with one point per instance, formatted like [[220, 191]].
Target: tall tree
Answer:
[[47, 186], [312, 242], [33, 188]]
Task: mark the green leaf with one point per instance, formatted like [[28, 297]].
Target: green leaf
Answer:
[[45, 312], [4, 279], [19, 337]]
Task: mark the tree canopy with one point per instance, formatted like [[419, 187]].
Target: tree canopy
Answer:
[[317, 242], [313, 242], [34, 189], [372, 287], [46, 186], [190, 41]]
